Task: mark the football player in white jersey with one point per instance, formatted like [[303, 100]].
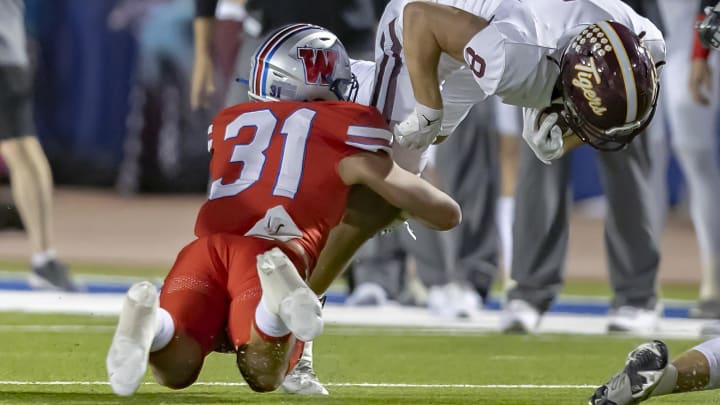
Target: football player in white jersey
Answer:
[[435, 59], [595, 60]]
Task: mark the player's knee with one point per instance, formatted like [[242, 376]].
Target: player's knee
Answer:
[[264, 383], [261, 380], [179, 378], [260, 376]]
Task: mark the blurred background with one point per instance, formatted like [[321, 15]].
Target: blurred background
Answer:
[[129, 159]]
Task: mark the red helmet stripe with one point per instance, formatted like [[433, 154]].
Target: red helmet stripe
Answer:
[[267, 50]]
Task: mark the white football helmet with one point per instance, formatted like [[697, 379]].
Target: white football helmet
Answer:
[[301, 62]]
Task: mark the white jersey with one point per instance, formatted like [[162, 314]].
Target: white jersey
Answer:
[[516, 57], [364, 72], [518, 54]]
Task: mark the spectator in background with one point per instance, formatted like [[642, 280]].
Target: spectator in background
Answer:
[[352, 21], [162, 148], [692, 118], [30, 175], [508, 120]]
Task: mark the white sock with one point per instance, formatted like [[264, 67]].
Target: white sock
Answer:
[[711, 350], [307, 352], [39, 259], [667, 382], [710, 286], [164, 330], [504, 217], [268, 323]]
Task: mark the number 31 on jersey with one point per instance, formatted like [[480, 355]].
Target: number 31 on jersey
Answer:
[[296, 129]]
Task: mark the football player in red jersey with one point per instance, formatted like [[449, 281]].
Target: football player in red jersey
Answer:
[[284, 173]]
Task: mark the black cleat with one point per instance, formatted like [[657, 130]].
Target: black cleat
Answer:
[[644, 368]]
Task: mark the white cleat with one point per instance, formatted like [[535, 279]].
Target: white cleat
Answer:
[[634, 320], [519, 316], [302, 380], [127, 358], [286, 294]]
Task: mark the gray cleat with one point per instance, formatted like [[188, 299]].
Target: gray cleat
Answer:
[[53, 275], [643, 369]]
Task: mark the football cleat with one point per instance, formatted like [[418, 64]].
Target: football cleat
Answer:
[[127, 358], [285, 294], [302, 380], [644, 368]]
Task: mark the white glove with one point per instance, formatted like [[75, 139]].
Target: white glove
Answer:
[[420, 129], [544, 138]]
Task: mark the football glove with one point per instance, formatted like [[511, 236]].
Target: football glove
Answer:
[[542, 135], [420, 129]]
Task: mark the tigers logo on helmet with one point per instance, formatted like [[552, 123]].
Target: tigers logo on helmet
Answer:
[[609, 83]]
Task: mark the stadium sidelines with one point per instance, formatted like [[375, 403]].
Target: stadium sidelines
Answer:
[[369, 385], [388, 319]]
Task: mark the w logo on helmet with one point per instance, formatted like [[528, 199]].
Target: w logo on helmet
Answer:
[[319, 64]]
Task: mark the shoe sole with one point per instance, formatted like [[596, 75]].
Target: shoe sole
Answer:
[[127, 357], [286, 294], [515, 328]]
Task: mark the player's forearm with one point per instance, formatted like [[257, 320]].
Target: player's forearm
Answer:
[[430, 29], [365, 215], [203, 31], [422, 54], [419, 199]]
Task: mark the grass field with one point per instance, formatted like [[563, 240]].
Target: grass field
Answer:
[[360, 365]]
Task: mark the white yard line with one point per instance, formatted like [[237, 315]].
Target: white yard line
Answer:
[[365, 384]]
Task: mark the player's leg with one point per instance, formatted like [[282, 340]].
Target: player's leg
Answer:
[[540, 235], [30, 176], [694, 139], [272, 307], [508, 121], [647, 373], [630, 237], [174, 332], [196, 300]]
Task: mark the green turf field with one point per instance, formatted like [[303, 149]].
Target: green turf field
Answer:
[[70, 350]]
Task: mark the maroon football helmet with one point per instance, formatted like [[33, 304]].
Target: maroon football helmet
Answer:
[[609, 84]]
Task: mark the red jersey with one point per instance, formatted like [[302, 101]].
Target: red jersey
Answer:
[[285, 153]]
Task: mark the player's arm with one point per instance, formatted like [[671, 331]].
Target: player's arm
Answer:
[[402, 189], [202, 86], [366, 214], [428, 30]]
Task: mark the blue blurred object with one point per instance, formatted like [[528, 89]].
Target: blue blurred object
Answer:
[[81, 87]]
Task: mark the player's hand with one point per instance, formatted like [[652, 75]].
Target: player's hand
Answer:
[[542, 134], [202, 87], [700, 82], [420, 129]]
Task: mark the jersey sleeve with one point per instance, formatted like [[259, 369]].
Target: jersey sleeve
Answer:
[[368, 131], [485, 57]]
